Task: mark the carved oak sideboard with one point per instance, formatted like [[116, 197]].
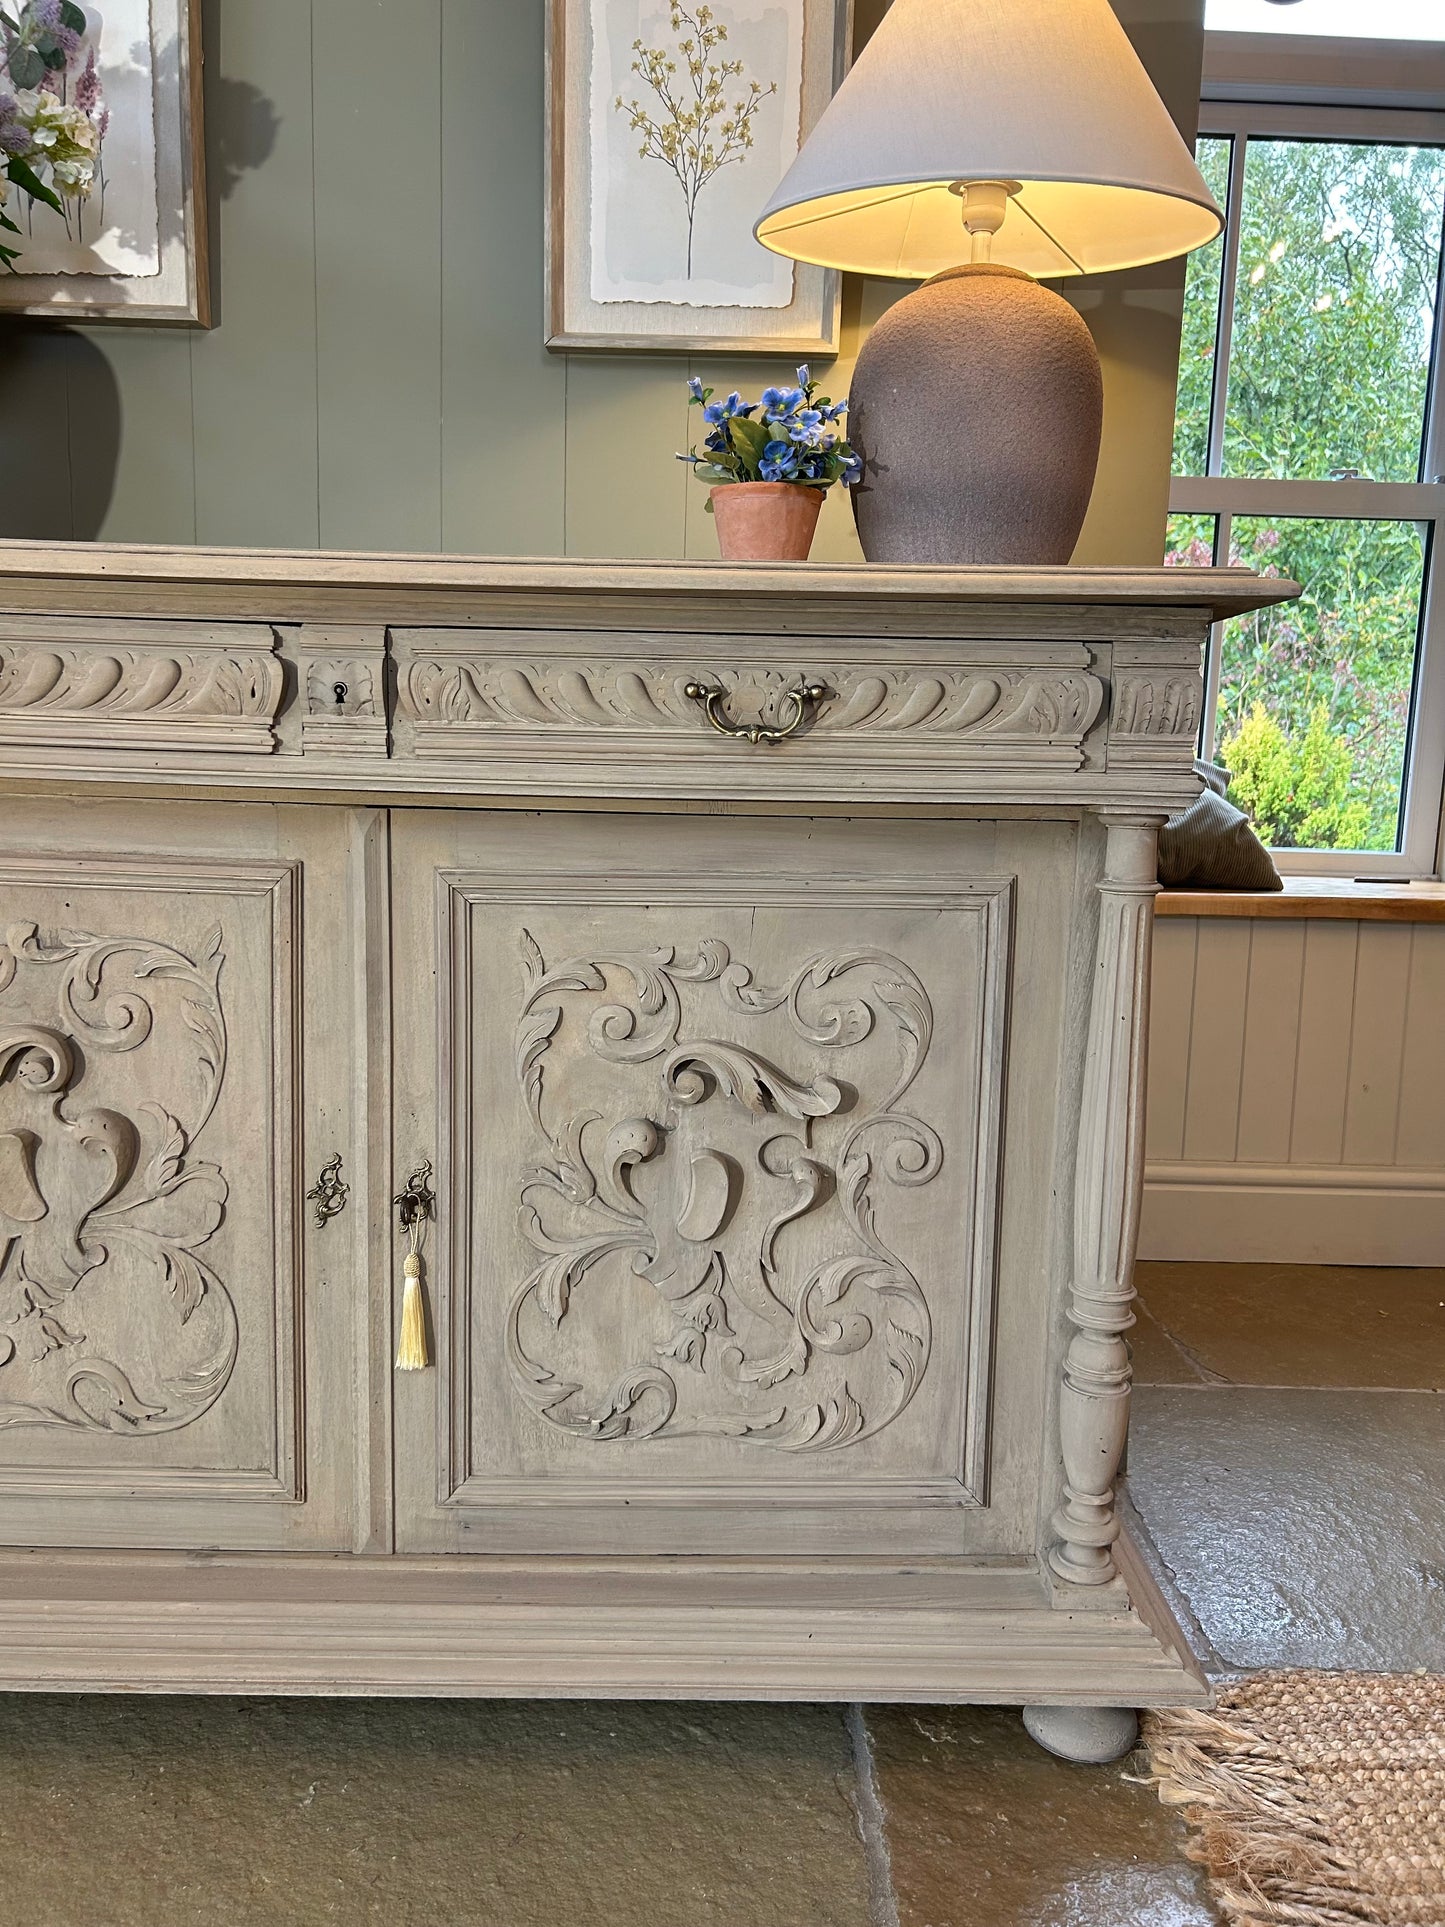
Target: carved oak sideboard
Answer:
[[751, 963]]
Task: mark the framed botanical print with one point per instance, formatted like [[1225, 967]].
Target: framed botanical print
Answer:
[[670, 122], [101, 161]]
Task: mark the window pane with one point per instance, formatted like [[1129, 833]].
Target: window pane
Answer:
[[1202, 277], [1333, 312], [1189, 541], [1314, 696], [1381, 20]]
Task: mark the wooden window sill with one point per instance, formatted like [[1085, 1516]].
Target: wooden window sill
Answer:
[[1340, 897]]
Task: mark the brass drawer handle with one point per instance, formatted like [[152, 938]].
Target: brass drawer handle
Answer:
[[804, 699]]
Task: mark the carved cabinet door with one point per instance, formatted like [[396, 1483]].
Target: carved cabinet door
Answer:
[[718, 1113], [177, 1352]]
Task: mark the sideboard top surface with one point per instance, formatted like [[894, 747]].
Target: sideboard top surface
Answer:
[[283, 584], [236, 671]]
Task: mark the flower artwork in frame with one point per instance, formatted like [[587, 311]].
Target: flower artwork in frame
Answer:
[[101, 171], [670, 124]]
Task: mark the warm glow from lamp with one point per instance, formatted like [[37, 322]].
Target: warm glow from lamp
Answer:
[[1047, 95]]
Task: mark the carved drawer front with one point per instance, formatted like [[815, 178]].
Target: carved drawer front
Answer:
[[152, 1384], [719, 1127], [616, 713]]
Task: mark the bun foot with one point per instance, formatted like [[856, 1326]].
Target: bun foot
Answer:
[[1089, 1734]]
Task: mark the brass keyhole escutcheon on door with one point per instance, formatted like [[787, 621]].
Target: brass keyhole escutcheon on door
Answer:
[[329, 1193]]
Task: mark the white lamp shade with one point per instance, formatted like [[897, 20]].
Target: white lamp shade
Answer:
[[1048, 93]]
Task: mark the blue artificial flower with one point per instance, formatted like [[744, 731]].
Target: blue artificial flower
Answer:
[[717, 441], [694, 387], [689, 458], [838, 409], [779, 463], [852, 470], [780, 403], [721, 411], [806, 427], [803, 376]]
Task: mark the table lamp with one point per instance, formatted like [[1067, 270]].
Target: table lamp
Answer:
[[977, 145]]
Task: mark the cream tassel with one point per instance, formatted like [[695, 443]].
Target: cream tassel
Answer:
[[411, 1351]]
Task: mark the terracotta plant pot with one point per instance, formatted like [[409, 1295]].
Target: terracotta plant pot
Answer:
[[765, 521]]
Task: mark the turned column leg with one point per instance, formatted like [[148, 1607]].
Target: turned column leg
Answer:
[[1094, 1399]]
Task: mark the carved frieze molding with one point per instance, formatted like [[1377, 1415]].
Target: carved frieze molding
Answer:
[[457, 699], [1155, 707], [69, 682]]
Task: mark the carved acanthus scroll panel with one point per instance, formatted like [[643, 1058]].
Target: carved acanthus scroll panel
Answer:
[[720, 1175], [148, 1285]]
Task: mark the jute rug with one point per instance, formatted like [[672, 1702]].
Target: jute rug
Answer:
[[1314, 1799]]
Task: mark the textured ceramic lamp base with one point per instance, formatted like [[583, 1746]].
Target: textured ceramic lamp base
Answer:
[[976, 405]]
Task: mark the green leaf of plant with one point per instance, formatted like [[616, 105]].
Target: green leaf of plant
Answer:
[[24, 176], [71, 16], [54, 59], [6, 222], [750, 439], [27, 69]]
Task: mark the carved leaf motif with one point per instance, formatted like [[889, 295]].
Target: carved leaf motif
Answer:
[[758, 1086], [103, 1226], [863, 1307], [534, 1033], [533, 968]]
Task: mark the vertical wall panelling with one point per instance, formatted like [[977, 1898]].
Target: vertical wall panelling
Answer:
[[254, 374], [1221, 985], [1420, 1138], [1270, 1026], [1377, 1043], [627, 417], [35, 492], [1323, 1068], [504, 398], [1331, 1147], [153, 488], [377, 106], [1170, 1007], [377, 377]]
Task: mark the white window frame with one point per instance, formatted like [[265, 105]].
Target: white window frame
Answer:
[[1224, 497]]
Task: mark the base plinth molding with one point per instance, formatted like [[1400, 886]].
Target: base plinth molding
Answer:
[[765, 1629]]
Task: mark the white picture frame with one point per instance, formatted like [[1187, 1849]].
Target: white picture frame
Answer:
[[633, 263], [176, 288]]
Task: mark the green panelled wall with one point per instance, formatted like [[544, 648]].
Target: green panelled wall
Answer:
[[376, 378]]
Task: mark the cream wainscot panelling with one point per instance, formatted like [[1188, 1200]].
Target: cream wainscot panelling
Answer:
[[1297, 1091], [754, 965]]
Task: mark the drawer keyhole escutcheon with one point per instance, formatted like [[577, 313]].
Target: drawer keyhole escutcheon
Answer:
[[711, 697]]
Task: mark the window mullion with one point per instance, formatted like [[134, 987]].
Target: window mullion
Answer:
[[1214, 649], [1229, 274], [1433, 444], [1424, 786]]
